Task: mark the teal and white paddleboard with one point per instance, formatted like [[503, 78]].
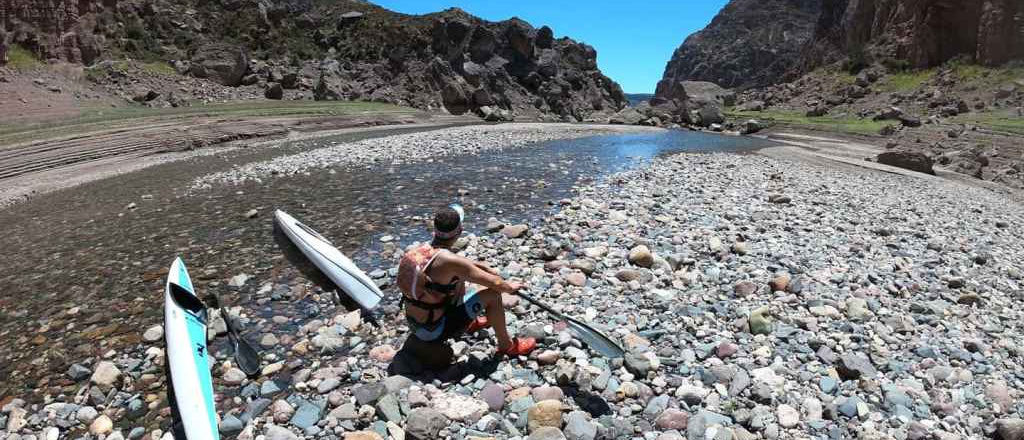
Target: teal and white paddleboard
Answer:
[[185, 331]]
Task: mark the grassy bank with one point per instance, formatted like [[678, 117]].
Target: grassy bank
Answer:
[[19, 58], [825, 123], [1004, 121], [91, 119]]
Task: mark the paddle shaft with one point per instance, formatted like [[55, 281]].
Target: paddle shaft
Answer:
[[543, 306], [589, 334]]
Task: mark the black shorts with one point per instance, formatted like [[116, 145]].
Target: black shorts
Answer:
[[457, 316]]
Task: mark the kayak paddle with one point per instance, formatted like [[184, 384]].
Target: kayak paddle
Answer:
[[595, 339], [246, 357]]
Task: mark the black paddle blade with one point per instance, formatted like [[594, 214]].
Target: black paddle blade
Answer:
[[246, 357], [595, 339]]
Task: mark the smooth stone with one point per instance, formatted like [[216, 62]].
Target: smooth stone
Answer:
[[547, 413]]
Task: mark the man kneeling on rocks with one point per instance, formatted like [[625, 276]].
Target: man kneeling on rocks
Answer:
[[437, 303]]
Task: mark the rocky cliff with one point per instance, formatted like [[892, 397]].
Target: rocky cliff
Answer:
[[749, 43], [919, 33], [52, 28], [346, 49]]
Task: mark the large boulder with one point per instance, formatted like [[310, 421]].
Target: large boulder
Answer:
[[910, 160], [699, 102], [453, 88], [545, 37], [274, 91], [693, 91], [482, 45], [968, 162], [628, 116], [548, 64], [221, 62], [326, 89], [520, 37]]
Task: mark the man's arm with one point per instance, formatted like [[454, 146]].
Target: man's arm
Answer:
[[485, 267], [469, 270]]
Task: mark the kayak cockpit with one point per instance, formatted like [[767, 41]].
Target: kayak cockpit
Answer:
[[186, 300]]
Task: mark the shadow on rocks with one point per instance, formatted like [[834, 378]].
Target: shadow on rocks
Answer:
[[592, 403], [429, 361], [312, 273], [177, 426]]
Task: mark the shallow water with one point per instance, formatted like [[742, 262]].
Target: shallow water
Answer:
[[83, 249]]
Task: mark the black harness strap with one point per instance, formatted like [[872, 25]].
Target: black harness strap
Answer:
[[429, 307]]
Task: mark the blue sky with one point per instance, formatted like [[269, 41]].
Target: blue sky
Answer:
[[634, 39]]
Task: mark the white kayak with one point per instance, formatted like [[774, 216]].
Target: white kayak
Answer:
[[185, 331], [342, 271]]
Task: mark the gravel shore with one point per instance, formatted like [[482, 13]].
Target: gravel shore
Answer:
[[413, 147], [757, 297]]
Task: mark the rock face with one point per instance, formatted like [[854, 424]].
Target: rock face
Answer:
[[921, 32], [749, 43], [52, 29], [696, 102], [449, 60], [762, 42]]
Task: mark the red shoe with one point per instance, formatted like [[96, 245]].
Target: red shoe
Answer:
[[519, 347], [478, 324]]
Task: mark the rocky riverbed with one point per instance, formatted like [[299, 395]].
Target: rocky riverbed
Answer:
[[758, 298], [412, 147]]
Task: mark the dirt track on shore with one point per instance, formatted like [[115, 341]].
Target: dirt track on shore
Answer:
[[61, 160]]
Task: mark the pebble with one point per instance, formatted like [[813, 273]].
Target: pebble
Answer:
[[274, 432], [234, 376], [852, 367], [101, 425], [153, 334], [759, 323], [384, 353], [788, 416], [780, 283], [362, 435], [546, 393], [546, 433], [545, 413], [281, 411], [230, 425], [106, 375], [86, 414], [641, 256], [425, 423], [78, 372], [458, 407], [515, 231], [494, 395], [745, 288], [577, 279]]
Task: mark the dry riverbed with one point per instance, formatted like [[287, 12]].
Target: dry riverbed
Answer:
[[759, 297]]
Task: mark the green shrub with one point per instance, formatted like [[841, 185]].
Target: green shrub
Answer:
[[896, 65], [22, 59], [858, 60]]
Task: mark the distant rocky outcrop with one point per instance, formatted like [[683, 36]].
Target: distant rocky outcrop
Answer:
[[63, 29], [919, 33], [749, 43], [693, 102], [345, 50], [763, 42]]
